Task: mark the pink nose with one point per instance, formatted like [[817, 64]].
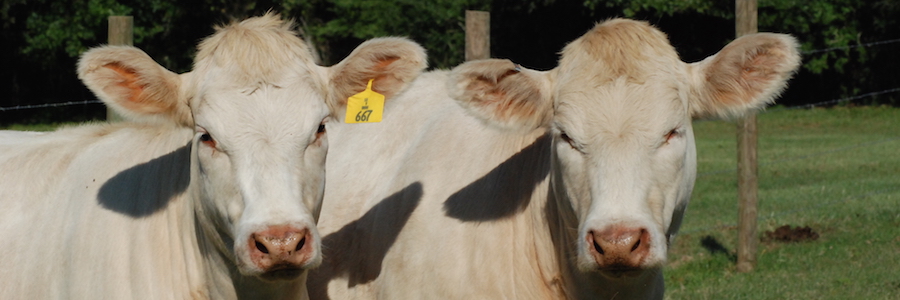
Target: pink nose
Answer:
[[619, 248], [280, 248]]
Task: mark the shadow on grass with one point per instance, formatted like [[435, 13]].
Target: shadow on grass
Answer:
[[715, 248]]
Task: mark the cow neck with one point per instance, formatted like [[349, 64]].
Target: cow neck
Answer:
[[218, 261], [538, 169]]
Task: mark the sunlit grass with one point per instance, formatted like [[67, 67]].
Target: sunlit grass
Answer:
[[835, 170]]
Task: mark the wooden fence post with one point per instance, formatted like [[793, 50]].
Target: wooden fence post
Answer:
[[478, 35], [745, 23], [121, 32]]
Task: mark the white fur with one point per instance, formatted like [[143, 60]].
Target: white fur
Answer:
[[617, 165], [11, 137], [147, 210]]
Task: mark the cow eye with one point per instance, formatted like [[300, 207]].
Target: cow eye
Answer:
[[672, 134], [208, 140], [565, 137], [320, 131]]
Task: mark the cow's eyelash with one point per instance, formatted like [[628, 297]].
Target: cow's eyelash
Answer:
[[320, 132], [675, 132], [568, 139], [565, 137], [208, 140], [672, 133]]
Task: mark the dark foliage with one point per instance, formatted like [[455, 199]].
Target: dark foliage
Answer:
[[43, 38]]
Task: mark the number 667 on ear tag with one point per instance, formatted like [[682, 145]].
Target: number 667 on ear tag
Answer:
[[365, 107]]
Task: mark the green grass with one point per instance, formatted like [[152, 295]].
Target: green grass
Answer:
[[835, 170]]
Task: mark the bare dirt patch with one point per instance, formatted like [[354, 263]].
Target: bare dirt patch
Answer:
[[787, 234]]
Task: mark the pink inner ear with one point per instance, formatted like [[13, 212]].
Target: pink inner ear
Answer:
[[507, 74], [504, 98], [756, 73], [383, 69], [128, 79], [383, 63], [758, 70], [735, 79], [733, 83]]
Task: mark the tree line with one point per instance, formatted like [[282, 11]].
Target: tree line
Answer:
[[42, 39]]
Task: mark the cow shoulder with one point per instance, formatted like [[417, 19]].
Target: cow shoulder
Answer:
[[745, 75], [503, 94]]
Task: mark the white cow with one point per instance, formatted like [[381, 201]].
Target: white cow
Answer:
[[565, 184], [213, 194], [10, 137]]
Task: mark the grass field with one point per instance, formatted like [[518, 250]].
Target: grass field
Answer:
[[835, 170]]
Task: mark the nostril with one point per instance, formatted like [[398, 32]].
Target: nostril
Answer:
[[262, 248], [300, 244], [636, 245], [598, 248]]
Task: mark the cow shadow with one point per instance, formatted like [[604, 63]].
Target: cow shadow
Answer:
[[716, 248], [357, 250], [504, 191], [147, 188]]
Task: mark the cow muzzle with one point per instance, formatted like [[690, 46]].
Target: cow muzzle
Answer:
[[619, 251], [281, 252]]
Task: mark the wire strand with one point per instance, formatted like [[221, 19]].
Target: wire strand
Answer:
[[834, 101], [864, 45], [20, 107]]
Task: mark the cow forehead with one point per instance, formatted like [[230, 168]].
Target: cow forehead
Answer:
[[620, 109], [269, 111], [622, 77], [258, 49], [619, 48], [257, 78], [253, 52]]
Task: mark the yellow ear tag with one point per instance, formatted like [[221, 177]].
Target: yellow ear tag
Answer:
[[365, 107]]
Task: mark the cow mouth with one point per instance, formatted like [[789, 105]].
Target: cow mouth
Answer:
[[282, 273], [621, 272]]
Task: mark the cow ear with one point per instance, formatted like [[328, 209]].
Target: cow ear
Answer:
[[747, 74], [135, 86], [392, 63], [503, 94]]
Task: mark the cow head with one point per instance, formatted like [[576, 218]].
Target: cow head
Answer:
[[619, 107], [258, 106]]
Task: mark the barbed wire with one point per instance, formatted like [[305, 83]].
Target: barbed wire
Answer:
[[864, 45], [20, 107], [810, 105], [834, 101]]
